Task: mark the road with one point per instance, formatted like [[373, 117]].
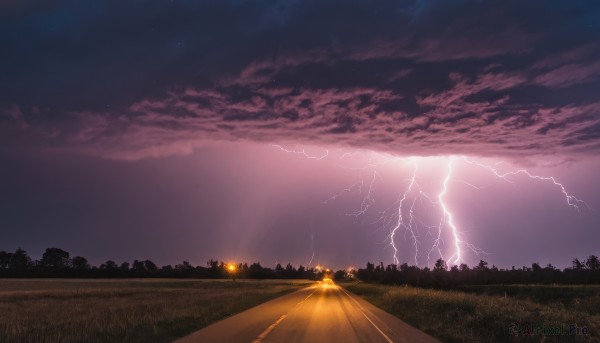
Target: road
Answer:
[[320, 313]]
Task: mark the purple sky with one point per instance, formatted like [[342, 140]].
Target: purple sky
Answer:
[[136, 130]]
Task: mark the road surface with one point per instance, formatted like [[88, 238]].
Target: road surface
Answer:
[[320, 313]]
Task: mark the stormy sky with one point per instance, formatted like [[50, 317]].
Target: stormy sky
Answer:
[[282, 131]]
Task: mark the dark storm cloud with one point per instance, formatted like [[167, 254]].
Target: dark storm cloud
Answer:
[[135, 79]]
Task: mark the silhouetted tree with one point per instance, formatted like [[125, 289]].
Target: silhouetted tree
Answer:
[[150, 266], [592, 262], [5, 259], [483, 265], [213, 264], [109, 265], [55, 258], [578, 265], [255, 271], [301, 272], [184, 266], [440, 266], [80, 263], [289, 271], [213, 269], [339, 275], [124, 266], [138, 266], [19, 260]]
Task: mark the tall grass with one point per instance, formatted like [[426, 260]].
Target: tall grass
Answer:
[[575, 298], [123, 310], [457, 316]]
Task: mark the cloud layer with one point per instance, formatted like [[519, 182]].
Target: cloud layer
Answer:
[[130, 81]]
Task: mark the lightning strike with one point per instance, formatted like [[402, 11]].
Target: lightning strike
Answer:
[[368, 199], [447, 216], [400, 222], [571, 200], [302, 152], [312, 248], [403, 215], [411, 224]]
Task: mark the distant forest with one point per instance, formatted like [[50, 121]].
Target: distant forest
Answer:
[[57, 263]]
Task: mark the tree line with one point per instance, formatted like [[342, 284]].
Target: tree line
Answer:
[[585, 271], [56, 262]]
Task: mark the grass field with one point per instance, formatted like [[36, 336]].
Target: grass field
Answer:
[[484, 313], [131, 310]]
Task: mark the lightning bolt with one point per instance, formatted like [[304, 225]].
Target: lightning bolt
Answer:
[[312, 248], [400, 223], [447, 215], [302, 152], [403, 215], [368, 199], [570, 199]]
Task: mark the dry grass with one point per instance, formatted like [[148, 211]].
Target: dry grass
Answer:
[[455, 316], [124, 310]]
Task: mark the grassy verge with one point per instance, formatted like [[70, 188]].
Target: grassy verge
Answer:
[[124, 310], [485, 315]]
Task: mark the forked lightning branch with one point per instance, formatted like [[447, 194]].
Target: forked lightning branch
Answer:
[[402, 217]]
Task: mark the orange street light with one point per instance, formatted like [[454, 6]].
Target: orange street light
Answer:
[[231, 268]]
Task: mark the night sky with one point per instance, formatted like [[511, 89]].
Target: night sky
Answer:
[[290, 131]]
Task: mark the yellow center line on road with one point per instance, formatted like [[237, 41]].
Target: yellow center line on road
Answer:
[[360, 308], [264, 334]]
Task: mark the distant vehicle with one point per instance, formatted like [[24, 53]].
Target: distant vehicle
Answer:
[[327, 281]]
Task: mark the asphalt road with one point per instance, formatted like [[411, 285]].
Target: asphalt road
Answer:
[[320, 313]]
